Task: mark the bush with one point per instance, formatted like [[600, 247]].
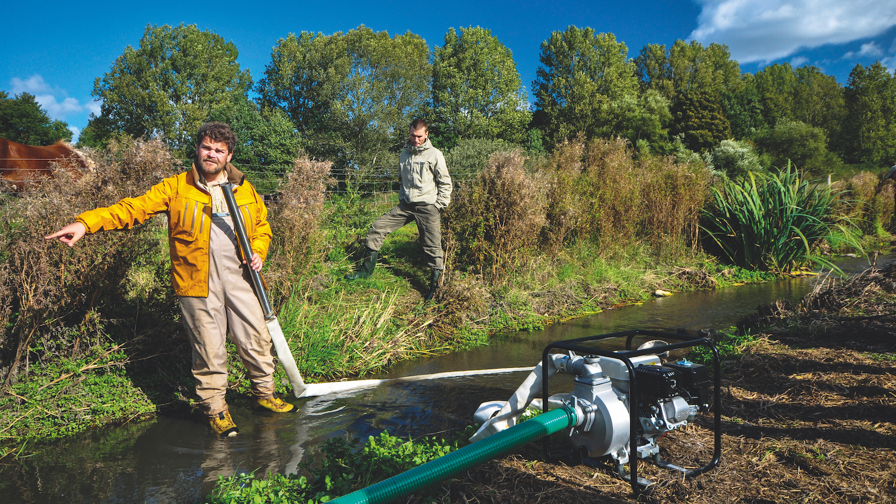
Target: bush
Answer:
[[805, 146], [295, 219], [735, 159], [495, 218], [773, 222], [56, 299], [470, 156], [869, 203]]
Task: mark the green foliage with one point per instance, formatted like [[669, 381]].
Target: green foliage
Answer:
[[23, 121], [638, 118], [700, 119], [476, 89], [688, 67], [869, 128], [470, 156], [734, 159], [581, 72], [351, 96], [744, 111], [818, 101], [805, 146], [168, 86], [868, 202], [345, 467], [730, 346], [74, 394], [267, 139], [772, 222], [776, 86]]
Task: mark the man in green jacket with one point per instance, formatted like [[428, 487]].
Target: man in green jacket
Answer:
[[425, 190]]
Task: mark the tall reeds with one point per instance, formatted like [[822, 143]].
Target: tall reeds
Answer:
[[774, 222]]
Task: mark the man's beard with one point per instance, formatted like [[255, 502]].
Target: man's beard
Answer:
[[210, 172]]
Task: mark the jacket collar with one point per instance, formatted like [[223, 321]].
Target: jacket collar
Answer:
[[234, 176], [417, 149]]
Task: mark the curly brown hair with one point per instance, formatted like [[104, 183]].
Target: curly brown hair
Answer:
[[217, 132]]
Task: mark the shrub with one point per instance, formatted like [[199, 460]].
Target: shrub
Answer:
[[805, 146], [867, 203], [735, 159], [773, 222], [295, 219], [673, 196], [566, 203], [495, 218], [470, 156], [56, 299]]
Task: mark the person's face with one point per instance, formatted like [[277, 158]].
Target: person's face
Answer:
[[418, 136], [212, 157]]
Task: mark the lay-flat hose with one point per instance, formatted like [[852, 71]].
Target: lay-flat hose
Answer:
[[469, 456]]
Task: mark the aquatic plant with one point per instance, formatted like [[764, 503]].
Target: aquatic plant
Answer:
[[775, 222]]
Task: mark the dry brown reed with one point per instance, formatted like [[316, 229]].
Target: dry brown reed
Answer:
[[53, 294], [296, 218], [598, 192], [869, 203], [495, 219]]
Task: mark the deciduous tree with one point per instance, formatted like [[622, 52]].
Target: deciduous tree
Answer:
[[476, 88], [23, 121], [581, 72], [350, 95], [170, 84], [699, 118], [267, 139], [869, 132]]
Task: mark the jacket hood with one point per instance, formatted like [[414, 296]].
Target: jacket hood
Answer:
[[417, 149]]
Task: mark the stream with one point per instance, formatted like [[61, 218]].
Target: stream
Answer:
[[178, 460]]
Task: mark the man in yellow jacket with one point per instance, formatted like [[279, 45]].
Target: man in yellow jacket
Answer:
[[210, 280]]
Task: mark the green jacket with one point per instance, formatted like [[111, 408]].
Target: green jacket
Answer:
[[424, 176]]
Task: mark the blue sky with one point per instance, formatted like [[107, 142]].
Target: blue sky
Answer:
[[55, 50]]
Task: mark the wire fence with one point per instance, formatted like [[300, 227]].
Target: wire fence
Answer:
[[266, 179]]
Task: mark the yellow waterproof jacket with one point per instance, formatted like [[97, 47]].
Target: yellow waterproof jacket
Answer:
[[189, 210]]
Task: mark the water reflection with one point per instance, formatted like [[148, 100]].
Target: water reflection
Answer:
[[177, 460]]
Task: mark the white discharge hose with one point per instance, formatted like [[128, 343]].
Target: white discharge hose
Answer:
[[508, 415]]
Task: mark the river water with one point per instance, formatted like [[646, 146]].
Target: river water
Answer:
[[178, 460]]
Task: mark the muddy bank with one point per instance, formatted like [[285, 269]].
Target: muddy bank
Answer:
[[809, 415]]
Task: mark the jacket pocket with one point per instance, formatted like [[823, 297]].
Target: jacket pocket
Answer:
[[187, 220]]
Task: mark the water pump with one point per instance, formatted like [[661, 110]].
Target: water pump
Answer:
[[624, 401]]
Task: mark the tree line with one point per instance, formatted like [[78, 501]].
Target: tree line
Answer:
[[348, 97]]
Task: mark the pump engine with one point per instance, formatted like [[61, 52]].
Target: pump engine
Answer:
[[623, 401]]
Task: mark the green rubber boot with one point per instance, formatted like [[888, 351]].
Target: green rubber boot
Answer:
[[433, 284], [366, 268]]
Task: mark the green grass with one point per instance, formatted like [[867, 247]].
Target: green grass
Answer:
[[70, 396], [730, 346]]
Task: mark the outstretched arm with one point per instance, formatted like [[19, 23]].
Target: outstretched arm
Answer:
[[70, 234]]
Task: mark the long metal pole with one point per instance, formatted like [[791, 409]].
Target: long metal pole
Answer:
[[284, 354]]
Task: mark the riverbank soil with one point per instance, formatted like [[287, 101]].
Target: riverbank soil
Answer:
[[808, 415]]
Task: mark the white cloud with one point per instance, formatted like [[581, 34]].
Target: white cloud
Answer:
[[768, 30], [798, 61], [869, 49], [54, 100]]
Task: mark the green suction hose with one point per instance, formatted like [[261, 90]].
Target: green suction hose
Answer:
[[469, 456]]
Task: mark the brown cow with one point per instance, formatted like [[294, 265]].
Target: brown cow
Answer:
[[25, 166]]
